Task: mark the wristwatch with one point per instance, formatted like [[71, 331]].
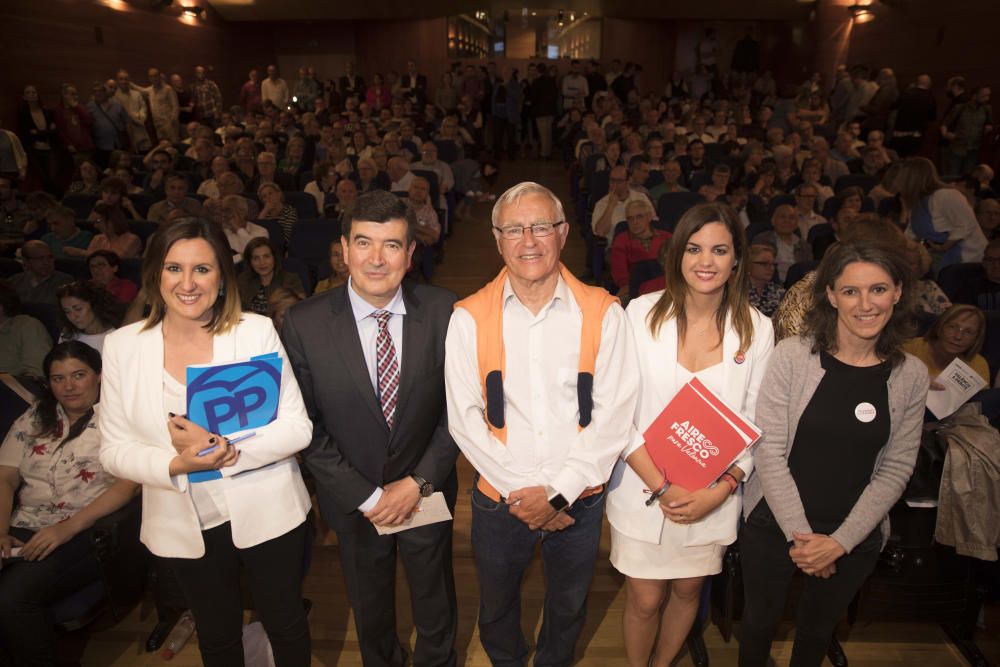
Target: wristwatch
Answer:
[[426, 488], [557, 501]]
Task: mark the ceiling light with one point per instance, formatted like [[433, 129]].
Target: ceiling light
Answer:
[[193, 11], [861, 13]]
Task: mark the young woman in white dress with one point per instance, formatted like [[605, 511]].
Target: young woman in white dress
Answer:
[[701, 325]]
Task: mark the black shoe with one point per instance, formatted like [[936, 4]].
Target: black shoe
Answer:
[[159, 634]]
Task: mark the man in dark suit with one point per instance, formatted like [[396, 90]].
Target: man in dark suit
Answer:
[[413, 86], [351, 84], [369, 358]]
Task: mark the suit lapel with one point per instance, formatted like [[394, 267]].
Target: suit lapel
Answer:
[[344, 329], [151, 371], [414, 346]]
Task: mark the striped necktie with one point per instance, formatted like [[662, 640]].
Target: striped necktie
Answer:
[[387, 366]]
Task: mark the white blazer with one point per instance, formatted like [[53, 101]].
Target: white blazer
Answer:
[[658, 368], [264, 490]]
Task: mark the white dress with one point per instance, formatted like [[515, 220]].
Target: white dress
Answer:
[[644, 543], [670, 559]]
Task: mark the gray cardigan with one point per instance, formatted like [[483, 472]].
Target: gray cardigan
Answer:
[[793, 374]]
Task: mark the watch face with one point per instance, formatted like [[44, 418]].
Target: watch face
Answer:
[[427, 489]]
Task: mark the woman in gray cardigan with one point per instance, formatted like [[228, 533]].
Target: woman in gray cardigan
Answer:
[[841, 420]]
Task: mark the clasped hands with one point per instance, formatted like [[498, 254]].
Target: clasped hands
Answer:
[[816, 554], [41, 544], [189, 438], [684, 507], [398, 502], [531, 505]]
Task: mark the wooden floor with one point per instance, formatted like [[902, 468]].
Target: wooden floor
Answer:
[[470, 261]]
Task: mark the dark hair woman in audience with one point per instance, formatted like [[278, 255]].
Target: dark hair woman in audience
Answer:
[[87, 313], [86, 179], [841, 421], [701, 325], [52, 490], [103, 267], [114, 193], [958, 333], [252, 510], [264, 276]]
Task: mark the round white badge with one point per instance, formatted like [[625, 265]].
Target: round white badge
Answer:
[[865, 412]]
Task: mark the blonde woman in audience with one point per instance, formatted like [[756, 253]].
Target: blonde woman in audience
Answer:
[[958, 333], [930, 299], [273, 207], [237, 226]]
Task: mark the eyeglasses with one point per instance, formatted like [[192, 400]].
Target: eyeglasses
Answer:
[[960, 331], [538, 230]]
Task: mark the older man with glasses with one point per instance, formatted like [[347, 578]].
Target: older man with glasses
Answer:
[[542, 380], [39, 280]]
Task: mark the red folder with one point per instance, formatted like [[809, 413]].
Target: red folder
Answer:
[[697, 437]]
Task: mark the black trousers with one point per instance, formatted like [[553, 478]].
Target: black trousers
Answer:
[[28, 588], [767, 570], [369, 566], [211, 585]]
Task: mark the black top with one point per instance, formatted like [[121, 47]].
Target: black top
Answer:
[[838, 440]]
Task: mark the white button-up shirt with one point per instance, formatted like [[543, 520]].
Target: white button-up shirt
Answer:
[[545, 446]]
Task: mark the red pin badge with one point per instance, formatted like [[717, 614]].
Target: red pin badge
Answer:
[[739, 358]]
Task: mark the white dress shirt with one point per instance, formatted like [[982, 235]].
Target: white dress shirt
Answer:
[[368, 333], [545, 446]]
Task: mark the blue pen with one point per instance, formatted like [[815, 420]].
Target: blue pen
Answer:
[[241, 438]]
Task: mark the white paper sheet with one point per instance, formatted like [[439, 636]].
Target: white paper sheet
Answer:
[[960, 383], [432, 509]]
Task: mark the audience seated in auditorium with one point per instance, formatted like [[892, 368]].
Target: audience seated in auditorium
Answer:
[[24, 341], [273, 207], [209, 188], [338, 269], [639, 243], [64, 238], [790, 247], [263, 275], [87, 313], [114, 192], [177, 204], [765, 292], [988, 217], [929, 299], [610, 209], [959, 332], [39, 280], [278, 303], [103, 266], [236, 223], [323, 185]]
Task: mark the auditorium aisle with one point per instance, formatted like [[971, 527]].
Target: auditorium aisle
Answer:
[[470, 260]]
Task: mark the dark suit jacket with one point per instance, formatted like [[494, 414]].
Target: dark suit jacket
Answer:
[[353, 451]]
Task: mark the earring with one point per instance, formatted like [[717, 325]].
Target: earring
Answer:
[[222, 290]]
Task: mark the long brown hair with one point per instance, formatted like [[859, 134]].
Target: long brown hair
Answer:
[[821, 319], [227, 308], [735, 296], [917, 178]]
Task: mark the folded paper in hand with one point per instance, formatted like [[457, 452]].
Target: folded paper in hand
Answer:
[[697, 437], [960, 383], [432, 509], [233, 397]]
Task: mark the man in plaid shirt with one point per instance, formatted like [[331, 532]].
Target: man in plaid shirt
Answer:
[[207, 98]]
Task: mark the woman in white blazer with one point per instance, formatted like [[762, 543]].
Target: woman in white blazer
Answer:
[[701, 325], [254, 515]]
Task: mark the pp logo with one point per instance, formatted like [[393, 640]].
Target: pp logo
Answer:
[[234, 397]]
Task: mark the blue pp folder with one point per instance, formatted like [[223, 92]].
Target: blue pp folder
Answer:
[[233, 397]]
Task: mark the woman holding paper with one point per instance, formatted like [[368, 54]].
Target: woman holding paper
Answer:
[[701, 326], [254, 513], [958, 333], [841, 421]]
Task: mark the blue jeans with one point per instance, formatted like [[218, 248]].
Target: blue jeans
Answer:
[[504, 546]]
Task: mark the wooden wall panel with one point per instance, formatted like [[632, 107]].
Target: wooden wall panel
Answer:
[[82, 41]]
